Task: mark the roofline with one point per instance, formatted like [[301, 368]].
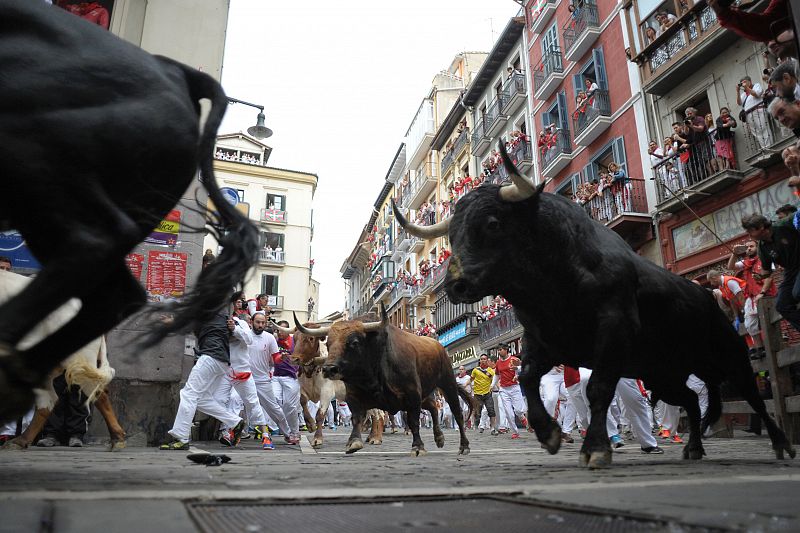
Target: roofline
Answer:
[[511, 33], [449, 123]]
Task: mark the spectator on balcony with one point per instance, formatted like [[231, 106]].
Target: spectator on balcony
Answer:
[[512, 71], [650, 33], [605, 194], [715, 163], [748, 95], [665, 20], [787, 113], [791, 158], [785, 212], [575, 10], [591, 89], [621, 187], [779, 245], [724, 138], [700, 150], [784, 79]]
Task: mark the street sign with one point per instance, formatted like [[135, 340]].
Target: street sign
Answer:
[[230, 195]]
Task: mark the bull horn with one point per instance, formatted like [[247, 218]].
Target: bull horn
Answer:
[[521, 188], [423, 232], [319, 360], [288, 331], [377, 326], [311, 332]]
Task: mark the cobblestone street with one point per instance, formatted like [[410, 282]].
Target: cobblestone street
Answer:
[[738, 486]]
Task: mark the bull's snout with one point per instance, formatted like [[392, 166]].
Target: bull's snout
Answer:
[[330, 370]]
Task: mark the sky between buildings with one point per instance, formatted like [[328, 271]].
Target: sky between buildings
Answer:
[[340, 83]]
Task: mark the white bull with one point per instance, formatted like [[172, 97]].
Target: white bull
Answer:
[[88, 368]]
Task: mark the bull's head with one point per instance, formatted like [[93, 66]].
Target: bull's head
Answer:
[[307, 348], [347, 345], [483, 233]]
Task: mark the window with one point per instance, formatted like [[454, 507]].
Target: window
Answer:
[[498, 89], [557, 113], [269, 284], [700, 102], [569, 186], [276, 201], [612, 152], [550, 40], [594, 70], [240, 194], [273, 240]]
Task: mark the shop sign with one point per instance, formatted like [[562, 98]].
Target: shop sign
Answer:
[[514, 348], [459, 331], [460, 357], [727, 222]]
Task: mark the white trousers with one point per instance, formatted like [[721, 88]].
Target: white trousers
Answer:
[[247, 394], [636, 409], [549, 386], [511, 402], [751, 318], [10, 427], [667, 416], [198, 394], [569, 415], [699, 387], [266, 396], [287, 394]]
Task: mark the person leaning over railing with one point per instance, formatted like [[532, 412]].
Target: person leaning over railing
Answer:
[[749, 96], [752, 26], [784, 79], [787, 113], [723, 144]]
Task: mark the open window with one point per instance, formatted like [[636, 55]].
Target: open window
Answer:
[[269, 284], [272, 240], [594, 71]]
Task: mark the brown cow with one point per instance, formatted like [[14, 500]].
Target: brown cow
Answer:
[[387, 368]]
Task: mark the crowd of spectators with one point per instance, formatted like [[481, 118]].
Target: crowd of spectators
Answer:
[[498, 305], [243, 157], [608, 195]]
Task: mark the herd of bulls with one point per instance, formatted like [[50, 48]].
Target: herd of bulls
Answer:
[[583, 296]]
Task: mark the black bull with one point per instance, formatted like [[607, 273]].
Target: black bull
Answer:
[[586, 299], [103, 139]]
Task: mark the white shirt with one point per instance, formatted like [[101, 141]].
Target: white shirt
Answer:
[[261, 350], [733, 286], [241, 339], [753, 99], [465, 381], [656, 157]]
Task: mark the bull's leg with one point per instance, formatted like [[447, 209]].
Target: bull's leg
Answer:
[[376, 431], [450, 392], [33, 429], [309, 420], [326, 394], [596, 449], [417, 447], [430, 404], [354, 443], [115, 431], [547, 430], [117, 297]]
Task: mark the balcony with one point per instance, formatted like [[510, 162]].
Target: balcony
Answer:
[[623, 208], [480, 141], [592, 119], [505, 322], [701, 175], [272, 257], [516, 92], [417, 295], [423, 185], [399, 291], [435, 276], [461, 141], [382, 289], [495, 118], [447, 161], [416, 245], [687, 46], [522, 155], [581, 31], [497, 176], [542, 16], [548, 74], [765, 139], [273, 216], [420, 134], [556, 154], [275, 302]]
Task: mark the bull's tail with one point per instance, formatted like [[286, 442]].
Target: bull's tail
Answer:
[[714, 411], [236, 235], [467, 397], [91, 377]]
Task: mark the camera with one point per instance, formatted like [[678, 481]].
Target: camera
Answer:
[[687, 121], [767, 71], [725, 3]]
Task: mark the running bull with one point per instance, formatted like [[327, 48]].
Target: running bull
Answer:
[[387, 368], [586, 299]]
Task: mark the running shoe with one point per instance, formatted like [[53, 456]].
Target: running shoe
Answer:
[[524, 421], [582, 433], [515, 435], [495, 432], [236, 433], [617, 442], [292, 439], [304, 428], [480, 430], [225, 437], [676, 439], [174, 444], [566, 437], [664, 434], [652, 450], [266, 442]]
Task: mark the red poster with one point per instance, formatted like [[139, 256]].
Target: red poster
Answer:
[[135, 263], [166, 275]]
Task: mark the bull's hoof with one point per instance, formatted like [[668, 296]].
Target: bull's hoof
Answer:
[[14, 444], [785, 447], [416, 451], [463, 450], [394, 430], [693, 454], [553, 442], [317, 442], [583, 459], [439, 440], [600, 460], [375, 440], [354, 446], [117, 445]]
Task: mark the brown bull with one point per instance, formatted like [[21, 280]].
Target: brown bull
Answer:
[[387, 368]]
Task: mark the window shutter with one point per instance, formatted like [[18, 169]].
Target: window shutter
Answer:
[[600, 68], [618, 149], [562, 110], [577, 83]]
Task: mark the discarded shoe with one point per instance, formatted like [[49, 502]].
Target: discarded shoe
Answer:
[[655, 450], [208, 459]]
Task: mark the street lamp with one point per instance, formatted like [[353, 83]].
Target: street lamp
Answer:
[[259, 131]]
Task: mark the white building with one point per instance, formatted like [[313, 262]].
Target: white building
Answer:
[[278, 201]]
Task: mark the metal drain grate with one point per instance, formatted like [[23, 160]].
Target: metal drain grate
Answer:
[[464, 514]]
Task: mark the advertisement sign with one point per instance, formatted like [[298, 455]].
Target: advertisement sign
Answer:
[[135, 262], [464, 356], [166, 233], [453, 334], [166, 275], [514, 348], [12, 245]]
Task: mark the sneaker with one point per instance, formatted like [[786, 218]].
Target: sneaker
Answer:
[[753, 431], [75, 442], [582, 433], [47, 442], [566, 437], [225, 437], [174, 444], [480, 430], [304, 428], [515, 435], [236, 433], [616, 441], [652, 450], [495, 433], [664, 434], [266, 443], [503, 430], [524, 421], [676, 439], [292, 439]]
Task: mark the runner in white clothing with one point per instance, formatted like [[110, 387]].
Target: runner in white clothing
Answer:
[[261, 350]]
